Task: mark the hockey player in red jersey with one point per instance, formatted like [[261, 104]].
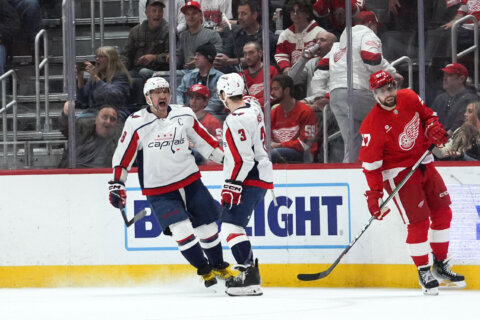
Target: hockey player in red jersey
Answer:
[[158, 138], [248, 174], [396, 132]]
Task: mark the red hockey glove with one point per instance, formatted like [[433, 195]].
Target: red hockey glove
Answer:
[[374, 200], [117, 196], [435, 133], [231, 193]]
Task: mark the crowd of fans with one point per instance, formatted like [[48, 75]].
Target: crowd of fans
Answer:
[[307, 66]]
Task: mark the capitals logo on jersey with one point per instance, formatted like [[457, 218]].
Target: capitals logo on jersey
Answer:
[[406, 139]]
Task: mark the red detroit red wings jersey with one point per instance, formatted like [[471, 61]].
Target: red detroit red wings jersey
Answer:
[[297, 129], [394, 140]]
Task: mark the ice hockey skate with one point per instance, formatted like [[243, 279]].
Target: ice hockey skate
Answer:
[[427, 281], [207, 275], [446, 277], [247, 283], [223, 271]]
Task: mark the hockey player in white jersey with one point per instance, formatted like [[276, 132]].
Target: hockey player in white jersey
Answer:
[[158, 138], [248, 174]]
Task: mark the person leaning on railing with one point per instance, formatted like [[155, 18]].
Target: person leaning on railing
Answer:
[[96, 137]]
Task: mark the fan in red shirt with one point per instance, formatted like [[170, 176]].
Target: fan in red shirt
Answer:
[[253, 53], [396, 133], [199, 95], [294, 125]]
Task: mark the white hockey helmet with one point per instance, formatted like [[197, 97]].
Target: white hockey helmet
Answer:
[[155, 83], [232, 84]]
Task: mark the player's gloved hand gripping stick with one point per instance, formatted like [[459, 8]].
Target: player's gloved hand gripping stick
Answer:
[[323, 274], [118, 198]]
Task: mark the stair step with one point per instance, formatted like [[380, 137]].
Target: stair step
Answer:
[[53, 97]]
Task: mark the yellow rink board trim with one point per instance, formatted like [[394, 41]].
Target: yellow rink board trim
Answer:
[[273, 275]]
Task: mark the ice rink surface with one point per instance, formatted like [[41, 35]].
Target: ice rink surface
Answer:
[[189, 300]]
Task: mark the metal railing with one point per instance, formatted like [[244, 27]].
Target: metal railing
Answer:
[[474, 48], [410, 68], [5, 106], [327, 139], [46, 73]]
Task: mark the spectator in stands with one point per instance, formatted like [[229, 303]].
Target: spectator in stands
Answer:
[[332, 70], [249, 30], [294, 125], [253, 54], [213, 11], [96, 137], [299, 36], [302, 71], [205, 74], [30, 17], [181, 25], [195, 36], [465, 32], [199, 95], [464, 143], [334, 11], [9, 24], [450, 105], [147, 48], [109, 81]]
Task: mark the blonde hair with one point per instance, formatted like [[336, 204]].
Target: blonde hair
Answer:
[[114, 64]]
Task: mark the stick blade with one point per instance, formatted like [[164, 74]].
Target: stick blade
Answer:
[[313, 276]]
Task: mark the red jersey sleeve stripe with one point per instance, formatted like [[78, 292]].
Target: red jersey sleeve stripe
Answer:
[[236, 155], [204, 135], [130, 152], [323, 64], [371, 58]]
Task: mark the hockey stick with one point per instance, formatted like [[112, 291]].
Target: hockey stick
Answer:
[[323, 274], [137, 217]]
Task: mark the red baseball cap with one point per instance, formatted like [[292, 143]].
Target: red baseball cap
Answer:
[[456, 68], [364, 17], [199, 89], [191, 4]]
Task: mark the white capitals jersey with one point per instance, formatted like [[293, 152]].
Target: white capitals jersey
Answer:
[[246, 159], [161, 147]]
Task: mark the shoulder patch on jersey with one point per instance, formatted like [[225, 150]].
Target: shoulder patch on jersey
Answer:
[[259, 118]]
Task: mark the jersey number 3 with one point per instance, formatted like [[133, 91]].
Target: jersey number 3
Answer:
[[243, 137]]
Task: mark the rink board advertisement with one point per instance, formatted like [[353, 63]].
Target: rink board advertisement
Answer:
[[62, 224]]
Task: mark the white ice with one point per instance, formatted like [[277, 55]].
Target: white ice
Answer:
[[189, 300]]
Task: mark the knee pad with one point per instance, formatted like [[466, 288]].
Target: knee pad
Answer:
[[208, 234], [182, 233], [418, 231], [233, 234], [441, 219]]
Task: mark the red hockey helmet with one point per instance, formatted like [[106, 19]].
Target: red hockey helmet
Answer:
[[199, 89], [380, 79]]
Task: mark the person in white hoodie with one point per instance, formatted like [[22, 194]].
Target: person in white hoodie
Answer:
[[331, 77]]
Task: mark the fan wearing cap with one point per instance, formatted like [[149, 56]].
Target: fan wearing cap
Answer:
[[157, 138], [195, 36], [451, 104], [147, 47], [181, 26], [396, 133], [205, 74], [198, 100], [331, 77]]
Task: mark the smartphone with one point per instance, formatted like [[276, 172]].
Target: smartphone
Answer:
[[80, 66]]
